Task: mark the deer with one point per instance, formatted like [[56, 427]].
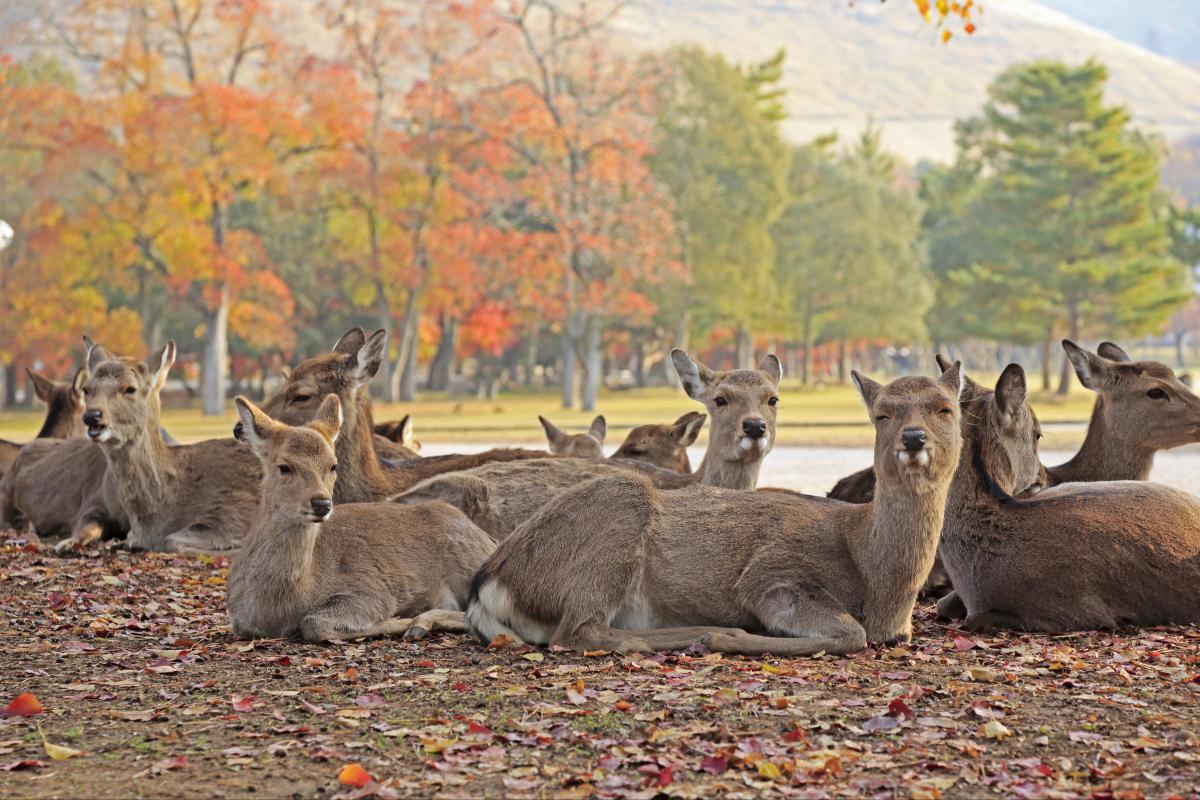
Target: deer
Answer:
[[188, 498], [64, 405], [323, 572], [1078, 556], [742, 404], [394, 439], [663, 446], [346, 372], [615, 564], [576, 445]]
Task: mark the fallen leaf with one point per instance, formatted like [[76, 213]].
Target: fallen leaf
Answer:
[[354, 775], [24, 705], [994, 729], [57, 751]]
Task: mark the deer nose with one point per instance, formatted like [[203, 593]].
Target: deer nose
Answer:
[[321, 506], [913, 439], [91, 418], [238, 430], [754, 428]]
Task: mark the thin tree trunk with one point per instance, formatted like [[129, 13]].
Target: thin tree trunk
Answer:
[[743, 356], [1067, 373], [443, 360], [3, 387], [842, 360], [1047, 360], [531, 353], [809, 324], [383, 313], [216, 356], [1180, 355], [572, 330], [593, 365], [408, 368], [639, 362]]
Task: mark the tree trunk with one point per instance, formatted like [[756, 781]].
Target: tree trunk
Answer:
[[3, 387], [841, 360], [1067, 374], [1047, 360], [215, 365], [593, 365], [639, 361], [743, 349], [443, 360], [408, 368], [572, 330], [1180, 355], [383, 314], [408, 342], [531, 353], [809, 323]]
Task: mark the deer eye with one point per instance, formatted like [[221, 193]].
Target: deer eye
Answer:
[[720, 402], [130, 390], [284, 469], [1156, 394], [333, 468], [774, 401], [946, 411], [302, 398], [882, 418]]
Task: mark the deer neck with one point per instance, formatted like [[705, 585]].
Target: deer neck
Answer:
[[277, 561], [1104, 456], [360, 475], [145, 474], [713, 471]]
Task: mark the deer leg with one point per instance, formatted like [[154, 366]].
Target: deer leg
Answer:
[[437, 619], [80, 538], [598, 635], [937, 584], [986, 621], [951, 607], [347, 617], [803, 621], [201, 541]]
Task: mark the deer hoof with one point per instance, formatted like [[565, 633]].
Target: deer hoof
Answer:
[[414, 633]]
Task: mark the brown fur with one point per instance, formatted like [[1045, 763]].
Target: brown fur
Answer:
[[64, 408], [367, 569], [576, 445], [362, 476], [664, 446], [394, 439], [1076, 556], [191, 498], [740, 572], [498, 497]]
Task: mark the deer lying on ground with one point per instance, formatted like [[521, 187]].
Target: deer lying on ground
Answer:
[[64, 405], [576, 445], [394, 439], [499, 497], [1079, 556], [362, 476], [357, 570], [616, 565], [190, 498], [663, 445]]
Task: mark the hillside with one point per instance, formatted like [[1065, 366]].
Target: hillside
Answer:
[[846, 63]]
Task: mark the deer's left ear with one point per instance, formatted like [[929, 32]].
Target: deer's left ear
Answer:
[[772, 367], [257, 427], [159, 365], [328, 421]]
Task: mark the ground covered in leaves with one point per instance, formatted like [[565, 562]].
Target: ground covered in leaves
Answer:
[[144, 693]]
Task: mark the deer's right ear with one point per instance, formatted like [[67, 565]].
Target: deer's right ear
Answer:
[[77, 382], [1011, 389], [407, 437], [954, 379], [96, 354], [599, 429], [770, 365], [687, 428], [969, 387], [351, 341], [868, 388], [42, 386], [328, 421], [1091, 369], [694, 376], [368, 358], [257, 427], [553, 433], [1113, 353], [159, 364]]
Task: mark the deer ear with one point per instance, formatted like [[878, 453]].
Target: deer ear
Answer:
[[553, 434], [159, 365], [78, 380], [407, 438], [1092, 371], [599, 429], [969, 387], [1011, 389], [351, 341], [368, 358], [96, 354], [770, 365], [257, 427], [687, 428], [328, 421], [953, 379], [868, 388], [42, 386], [285, 372], [694, 376], [1113, 353]]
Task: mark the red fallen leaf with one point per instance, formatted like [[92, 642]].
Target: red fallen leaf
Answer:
[[168, 764], [480, 730], [714, 765], [501, 641], [899, 708], [962, 643], [795, 735], [368, 700], [24, 705], [57, 599], [350, 675], [27, 763], [354, 775], [244, 703], [657, 776], [283, 661], [621, 705], [424, 662], [459, 687]]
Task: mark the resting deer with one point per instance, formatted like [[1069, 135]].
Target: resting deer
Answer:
[[576, 445], [190, 498], [742, 403], [357, 570], [362, 476], [1080, 556], [394, 439], [663, 445], [616, 565], [64, 405]]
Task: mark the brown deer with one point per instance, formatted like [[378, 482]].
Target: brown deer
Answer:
[[576, 445], [357, 570], [1080, 556], [189, 498], [394, 439], [362, 475], [616, 565], [663, 445], [64, 406], [1141, 407], [742, 403]]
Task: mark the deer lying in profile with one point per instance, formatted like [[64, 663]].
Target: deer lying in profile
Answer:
[[499, 497], [394, 439], [362, 569], [190, 498], [64, 405], [1080, 556], [616, 565], [663, 445], [362, 476], [576, 445]]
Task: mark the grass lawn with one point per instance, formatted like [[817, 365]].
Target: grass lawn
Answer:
[[826, 416]]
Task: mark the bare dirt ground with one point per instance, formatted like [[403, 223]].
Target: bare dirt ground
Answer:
[[131, 659]]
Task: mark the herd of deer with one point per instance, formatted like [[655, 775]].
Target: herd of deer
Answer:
[[344, 531]]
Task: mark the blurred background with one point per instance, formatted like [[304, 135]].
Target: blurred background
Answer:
[[540, 198]]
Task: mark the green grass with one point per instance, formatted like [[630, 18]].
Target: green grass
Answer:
[[816, 416]]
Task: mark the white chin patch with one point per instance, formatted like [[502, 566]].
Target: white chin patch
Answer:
[[908, 458], [105, 435], [764, 442]]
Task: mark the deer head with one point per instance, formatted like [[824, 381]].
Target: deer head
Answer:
[[741, 403], [917, 421], [64, 403], [576, 445], [664, 445], [121, 395], [299, 463]]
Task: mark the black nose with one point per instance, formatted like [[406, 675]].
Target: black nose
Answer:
[[91, 418], [913, 439], [754, 428], [238, 430], [321, 506]]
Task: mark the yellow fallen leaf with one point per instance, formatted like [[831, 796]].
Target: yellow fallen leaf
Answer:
[[994, 729], [57, 751], [769, 770], [535, 657]]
